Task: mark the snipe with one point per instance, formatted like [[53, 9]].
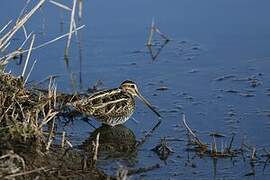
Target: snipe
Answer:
[[113, 106]]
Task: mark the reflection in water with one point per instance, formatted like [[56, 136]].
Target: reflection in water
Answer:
[[163, 150], [71, 74], [154, 54], [118, 141], [151, 42], [215, 168]]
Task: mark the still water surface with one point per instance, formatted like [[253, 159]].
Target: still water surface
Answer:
[[209, 40]]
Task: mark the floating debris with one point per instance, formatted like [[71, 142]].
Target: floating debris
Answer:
[[193, 71], [246, 94], [217, 134], [254, 83], [252, 80], [178, 106], [162, 88], [203, 149], [232, 91], [162, 149], [229, 76]]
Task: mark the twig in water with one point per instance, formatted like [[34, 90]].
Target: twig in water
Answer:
[[63, 139], [71, 26], [4, 59], [50, 139], [162, 34], [6, 38], [26, 39], [60, 5], [28, 55], [5, 26], [23, 10], [25, 32], [80, 9], [253, 155], [96, 145], [149, 42], [5, 47], [230, 146], [214, 150], [32, 67], [155, 29], [47, 79], [155, 55], [191, 132], [69, 143], [53, 40]]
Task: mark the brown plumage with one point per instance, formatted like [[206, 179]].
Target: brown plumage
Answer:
[[113, 106]]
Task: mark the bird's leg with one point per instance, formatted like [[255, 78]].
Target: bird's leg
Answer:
[[149, 133]]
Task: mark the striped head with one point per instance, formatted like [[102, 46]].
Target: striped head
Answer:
[[131, 88]]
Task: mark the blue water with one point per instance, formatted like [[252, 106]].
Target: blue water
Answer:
[[230, 38]]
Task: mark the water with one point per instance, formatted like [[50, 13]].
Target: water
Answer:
[[210, 39]]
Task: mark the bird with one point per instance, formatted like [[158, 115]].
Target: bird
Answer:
[[112, 106]]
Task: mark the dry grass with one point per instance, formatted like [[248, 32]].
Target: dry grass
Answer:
[[24, 114], [204, 149], [28, 116]]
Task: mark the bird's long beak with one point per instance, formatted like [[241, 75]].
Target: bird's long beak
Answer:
[[147, 103]]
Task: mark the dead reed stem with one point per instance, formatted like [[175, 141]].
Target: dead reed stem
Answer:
[[25, 173], [53, 40], [69, 144], [23, 10], [6, 38], [61, 5], [191, 132], [50, 138], [72, 20], [153, 29], [96, 145], [149, 42], [80, 9], [28, 56], [31, 69], [3, 29], [63, 139]]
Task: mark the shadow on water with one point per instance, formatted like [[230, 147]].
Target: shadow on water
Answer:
[[114, 142]]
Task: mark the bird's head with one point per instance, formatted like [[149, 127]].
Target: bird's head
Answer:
[[131, 88]]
